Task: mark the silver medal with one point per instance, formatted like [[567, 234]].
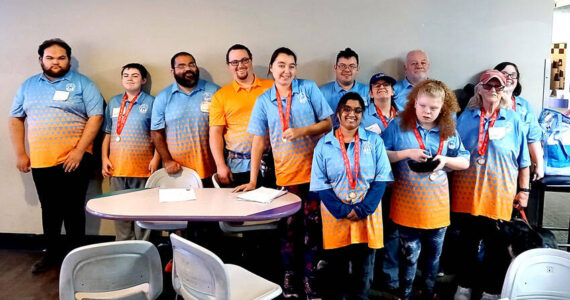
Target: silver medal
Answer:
[[433, 175], [481, 160], [117, 138], [284, 140], [352, 195]]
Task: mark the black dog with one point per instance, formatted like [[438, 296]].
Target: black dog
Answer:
[[520, 236]]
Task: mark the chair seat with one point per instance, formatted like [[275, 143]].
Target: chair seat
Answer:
[[136, 292], [233, 227], [163, 225], [246, 285]]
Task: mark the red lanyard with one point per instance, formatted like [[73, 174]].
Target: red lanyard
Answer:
[[379, 112], [122, 119], [284, 119], [351, 178], [514, 103], [421, 142], [483, 141]]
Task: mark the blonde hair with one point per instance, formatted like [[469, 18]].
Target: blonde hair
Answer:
[[477, 101]]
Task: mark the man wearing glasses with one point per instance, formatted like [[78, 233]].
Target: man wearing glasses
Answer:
[[229, 116], [346, 69], [416, 70], [179, 124]]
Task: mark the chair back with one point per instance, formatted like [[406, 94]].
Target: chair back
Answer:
[[113, 270], [538, 274], [197, 273], [186, 178]]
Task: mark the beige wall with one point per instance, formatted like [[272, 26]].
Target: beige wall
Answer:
[[461, 37]]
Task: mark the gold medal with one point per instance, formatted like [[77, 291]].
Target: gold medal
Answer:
[[117, 138], [481, 160], [352, 195]]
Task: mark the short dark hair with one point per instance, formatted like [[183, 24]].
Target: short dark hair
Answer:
[[141, 68], [237, 47], [57, 41], [345, 98], [518, 89], [347, 53], [182, 53], [276, 53]]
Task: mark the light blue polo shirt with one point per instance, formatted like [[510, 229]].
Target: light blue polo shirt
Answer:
[[333, 92], [328, 169], [529, 119], [370, 117], [186, 125], [292, 157], [402, 89]]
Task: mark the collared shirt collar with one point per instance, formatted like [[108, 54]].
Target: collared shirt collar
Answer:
[[338, 89], [407, 83], [199, 86], [502, 113], [420, 127], [67, 77], [330, 137], [237, 87], [294, 90]]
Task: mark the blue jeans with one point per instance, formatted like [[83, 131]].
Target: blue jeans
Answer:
[[340, 282], [412, 240]]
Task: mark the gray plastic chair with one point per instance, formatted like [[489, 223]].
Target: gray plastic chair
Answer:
[[538, 274], [161, 179], [239, 227], [197, 273], [115, 270]]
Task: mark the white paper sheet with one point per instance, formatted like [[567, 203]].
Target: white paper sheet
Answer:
[[262, 195], [175, 195]]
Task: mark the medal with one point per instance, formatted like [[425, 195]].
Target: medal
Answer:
[[284, 119], [122, 118], [433, 176], [483, 141], [379, 112], [351, 178], [481, 160], [284, 140]]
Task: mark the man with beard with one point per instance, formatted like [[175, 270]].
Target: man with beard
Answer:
[[179, 124], [229, 117], [64, 111], [346, 69], [416, 70]]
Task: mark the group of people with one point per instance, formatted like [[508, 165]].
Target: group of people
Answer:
[[370, 162]]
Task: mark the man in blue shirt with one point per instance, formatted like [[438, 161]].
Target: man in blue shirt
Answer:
[[63, 110], [346, 69], [416, 70]]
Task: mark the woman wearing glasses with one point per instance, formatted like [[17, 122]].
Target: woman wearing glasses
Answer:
[[382, 110], [512, 91], [421, 143], [350, 193], [485, 192], [294, 114]]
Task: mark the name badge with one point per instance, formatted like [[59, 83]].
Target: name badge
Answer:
[[496, 133], [116, 112], [60, 95]]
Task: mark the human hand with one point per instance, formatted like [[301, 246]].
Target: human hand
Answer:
[[171, 166], [154, 164], [224, 175], [23, 163], [418, 155], [107, 168], [73, 160], [292, 133], [537, 173], [352, 216], [521, 199], [245, 187], [442, 161]]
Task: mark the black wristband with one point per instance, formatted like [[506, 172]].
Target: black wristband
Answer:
[[525, 190]]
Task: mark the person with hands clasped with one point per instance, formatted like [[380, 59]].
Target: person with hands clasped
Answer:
[[350, 171], [423, 143], [483, 194], [127, 154], [294, 114]]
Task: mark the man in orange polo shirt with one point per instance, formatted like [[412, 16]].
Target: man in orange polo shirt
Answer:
[[229, 116]]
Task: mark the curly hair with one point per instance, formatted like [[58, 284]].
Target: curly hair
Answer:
[[445, 120]]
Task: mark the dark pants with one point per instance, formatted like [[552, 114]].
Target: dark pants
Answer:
[[301, 237], [389, 261], [349, 271], [62, 196], [484, 257]]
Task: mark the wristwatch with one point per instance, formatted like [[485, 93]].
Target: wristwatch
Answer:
[[527, 190]]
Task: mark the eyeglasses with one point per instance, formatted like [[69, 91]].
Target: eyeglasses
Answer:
[[347, 109], [497, 88], [344, 67], [243, 61], [510, 75], [381, 84], [191, 65]]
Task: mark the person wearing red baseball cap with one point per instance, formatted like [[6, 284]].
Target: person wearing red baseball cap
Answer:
[[484, 194]]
